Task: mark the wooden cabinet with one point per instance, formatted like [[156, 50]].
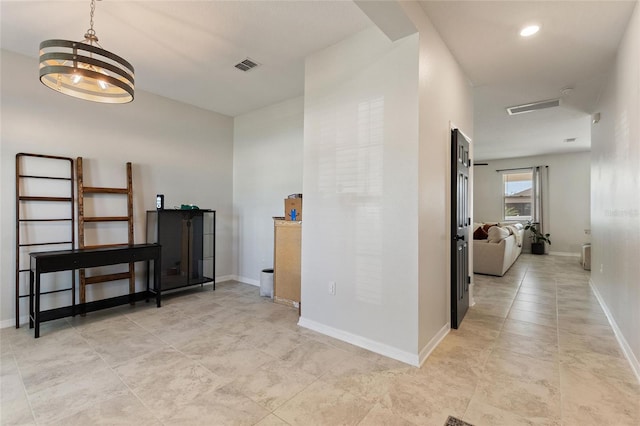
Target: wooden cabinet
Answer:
[[287, 262], [187, 238]]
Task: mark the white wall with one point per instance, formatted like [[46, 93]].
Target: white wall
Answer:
[[267, 166], [360, 183], [178, 150], [445, 100], [615, 206], [567, 203]]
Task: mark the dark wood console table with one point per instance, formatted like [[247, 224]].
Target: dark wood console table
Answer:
[[69, 260]]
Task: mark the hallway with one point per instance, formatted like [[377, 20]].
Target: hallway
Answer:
[[536, 349], [545, 350]]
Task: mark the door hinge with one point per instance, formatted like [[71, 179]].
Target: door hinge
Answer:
[[468, 279]]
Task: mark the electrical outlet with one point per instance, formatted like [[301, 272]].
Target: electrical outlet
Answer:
[[332, 288]]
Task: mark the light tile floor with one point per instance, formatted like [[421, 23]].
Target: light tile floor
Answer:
[[536, 349]]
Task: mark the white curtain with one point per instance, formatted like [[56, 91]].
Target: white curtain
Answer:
[[540, 196]]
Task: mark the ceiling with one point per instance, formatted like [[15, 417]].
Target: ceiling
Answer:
[[186, 51], [575, 48]]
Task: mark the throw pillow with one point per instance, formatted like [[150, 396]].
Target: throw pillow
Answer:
[[496, 234], [486, 226], [480, 234]]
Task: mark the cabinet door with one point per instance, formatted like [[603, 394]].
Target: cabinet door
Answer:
[[195, 247], [208, 245], [173, 236]]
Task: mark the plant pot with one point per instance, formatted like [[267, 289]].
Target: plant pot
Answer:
[[537, 248]]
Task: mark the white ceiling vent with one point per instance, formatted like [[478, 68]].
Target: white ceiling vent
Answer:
[[534, 106], [246, 65]]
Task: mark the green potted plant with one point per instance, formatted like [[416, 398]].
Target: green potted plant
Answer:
[[537, 238]]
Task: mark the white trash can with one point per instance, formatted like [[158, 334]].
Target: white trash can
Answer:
[[266, 283]]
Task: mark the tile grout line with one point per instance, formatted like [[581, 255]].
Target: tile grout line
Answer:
[[116, 374], [27, 395], [197, 362], [560, 393], [504, 320], [24, 388]]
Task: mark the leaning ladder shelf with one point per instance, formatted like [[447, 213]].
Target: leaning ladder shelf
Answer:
[[27, 219], [83, 220]]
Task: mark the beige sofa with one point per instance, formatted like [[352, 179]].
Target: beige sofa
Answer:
[[495, 258]]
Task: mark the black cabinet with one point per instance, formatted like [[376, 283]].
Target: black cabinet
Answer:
[[188, 245]]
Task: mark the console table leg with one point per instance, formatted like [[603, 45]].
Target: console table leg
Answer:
[[148, 266], [156, 279], [36, 314], [31, 312]]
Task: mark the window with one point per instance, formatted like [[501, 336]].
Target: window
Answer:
[[517, 195]]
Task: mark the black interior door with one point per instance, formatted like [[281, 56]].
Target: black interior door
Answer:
[[460, 223]]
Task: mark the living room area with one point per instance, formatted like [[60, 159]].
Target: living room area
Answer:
[[563, 206]]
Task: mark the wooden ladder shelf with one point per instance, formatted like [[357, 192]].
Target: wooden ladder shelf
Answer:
[[84, 191], [37, 206]]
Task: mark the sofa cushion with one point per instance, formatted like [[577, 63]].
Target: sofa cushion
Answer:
[[486, 226], [496, 234], [480, 234]]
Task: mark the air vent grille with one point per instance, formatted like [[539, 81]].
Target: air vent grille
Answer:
[[246, 65], [534, 106]]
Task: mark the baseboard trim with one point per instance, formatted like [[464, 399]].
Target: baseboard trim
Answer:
[[246, 280], [564, 253], [224, 278], [472, 299], [362, 342], [624, 345], [24, 320], [433, 343]]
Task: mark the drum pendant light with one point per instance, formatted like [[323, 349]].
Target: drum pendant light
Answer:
[[83, 69]]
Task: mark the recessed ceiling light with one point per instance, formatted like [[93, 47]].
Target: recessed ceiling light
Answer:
[[567, 91], [530, 30]]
